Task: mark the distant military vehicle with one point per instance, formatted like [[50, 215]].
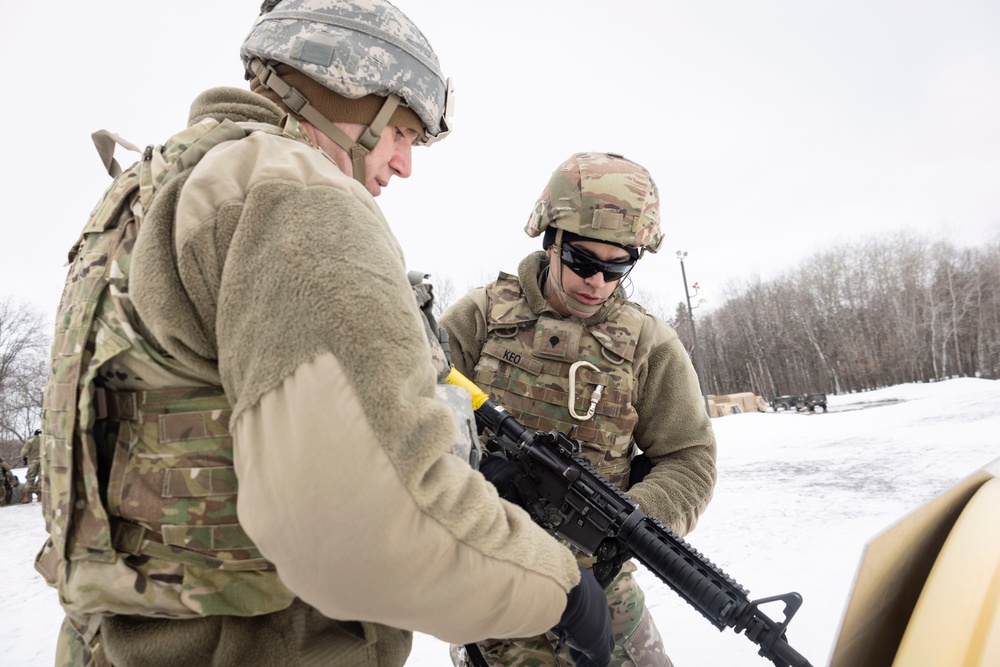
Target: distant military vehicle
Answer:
[[813, 401], [786, 402]]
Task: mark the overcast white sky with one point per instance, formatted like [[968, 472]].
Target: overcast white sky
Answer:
[[773, 127]]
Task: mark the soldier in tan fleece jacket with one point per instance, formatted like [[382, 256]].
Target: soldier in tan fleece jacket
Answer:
[[237, 321], [561, 347]]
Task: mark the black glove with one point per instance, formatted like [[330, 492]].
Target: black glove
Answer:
[[25, 460], [586, 623], [502, 474], [640, 467], [611, 555]]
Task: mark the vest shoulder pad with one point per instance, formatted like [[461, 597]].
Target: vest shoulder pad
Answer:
[[507, 306], [619, 331]]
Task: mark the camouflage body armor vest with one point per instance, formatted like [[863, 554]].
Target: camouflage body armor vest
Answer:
[[531, 365], [139, 486]]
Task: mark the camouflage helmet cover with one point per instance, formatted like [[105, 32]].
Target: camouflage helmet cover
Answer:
[[355, 48], [601, 196]]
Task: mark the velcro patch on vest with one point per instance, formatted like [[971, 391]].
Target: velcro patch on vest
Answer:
[[183, 426], [524, 362], [60, 396], [199, 482], [557, 339], [224, 537]]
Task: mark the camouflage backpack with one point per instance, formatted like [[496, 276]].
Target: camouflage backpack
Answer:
[[139, 491]]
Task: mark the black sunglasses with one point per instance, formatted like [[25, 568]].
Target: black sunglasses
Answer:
[[584, 264]]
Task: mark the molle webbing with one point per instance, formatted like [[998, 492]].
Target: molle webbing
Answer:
[[527, 359], [128, 405], [173, 472]]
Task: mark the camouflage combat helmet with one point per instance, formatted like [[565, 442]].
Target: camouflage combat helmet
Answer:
[[354, 48], [601, 196]]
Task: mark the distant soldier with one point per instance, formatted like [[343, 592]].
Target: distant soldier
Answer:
[[10, 482], [16, 491], [31, 454]]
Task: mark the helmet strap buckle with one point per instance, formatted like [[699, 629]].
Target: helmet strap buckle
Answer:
[[294, 100], [369, 138], [371, 134], [269, 78], [358, 154]]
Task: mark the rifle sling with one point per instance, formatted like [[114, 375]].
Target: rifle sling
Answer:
[[476, 656]]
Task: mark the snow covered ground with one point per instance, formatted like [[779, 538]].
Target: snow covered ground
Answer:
[[798, 497]]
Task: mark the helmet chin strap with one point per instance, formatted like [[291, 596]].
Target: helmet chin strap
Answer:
[[297, 102], [555, 275]]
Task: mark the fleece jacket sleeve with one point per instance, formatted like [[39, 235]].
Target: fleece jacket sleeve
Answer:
[[674, 431], [465, 321], [285, 272]]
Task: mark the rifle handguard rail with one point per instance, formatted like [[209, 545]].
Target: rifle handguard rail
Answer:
[[586, 510]]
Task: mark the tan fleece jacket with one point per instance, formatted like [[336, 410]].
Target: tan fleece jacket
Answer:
[[673, 429], [267, 265]]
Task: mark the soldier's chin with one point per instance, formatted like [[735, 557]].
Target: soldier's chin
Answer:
[[578, 313]]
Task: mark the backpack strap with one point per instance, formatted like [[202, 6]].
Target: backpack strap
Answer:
[[104, 142]]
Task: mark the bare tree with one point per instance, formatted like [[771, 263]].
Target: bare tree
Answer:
[[880, 310], [23, 363], [653, 304], [988, 316], [445, 294]]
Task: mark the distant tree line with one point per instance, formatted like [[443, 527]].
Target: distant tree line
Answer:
[[876, 312], [880, 311]]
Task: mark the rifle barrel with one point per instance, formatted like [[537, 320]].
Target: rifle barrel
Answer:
[[598, 509]]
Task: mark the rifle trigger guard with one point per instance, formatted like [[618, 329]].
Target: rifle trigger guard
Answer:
[[594, 397]]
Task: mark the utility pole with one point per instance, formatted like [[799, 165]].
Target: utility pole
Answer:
[[682, 255]]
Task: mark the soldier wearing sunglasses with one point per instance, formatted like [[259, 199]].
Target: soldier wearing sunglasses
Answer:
[[561, 347]]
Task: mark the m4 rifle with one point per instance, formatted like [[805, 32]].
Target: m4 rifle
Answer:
[[565, 495]]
